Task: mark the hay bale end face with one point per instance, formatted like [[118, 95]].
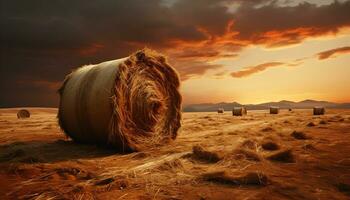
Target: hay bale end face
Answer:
[[221, 110], [274, 110], [23, 113], [239, 111], [129, 104], [319, 110]]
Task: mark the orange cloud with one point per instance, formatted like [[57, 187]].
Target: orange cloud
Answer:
[[247, 71], [194, 69], [221, 74], [204, 54], [272, 39], [333, 52]]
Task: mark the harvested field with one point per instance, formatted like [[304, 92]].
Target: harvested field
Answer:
[[215, 156]]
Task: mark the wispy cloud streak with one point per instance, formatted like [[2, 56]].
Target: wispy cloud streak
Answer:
[[333, 52], [247, 71]]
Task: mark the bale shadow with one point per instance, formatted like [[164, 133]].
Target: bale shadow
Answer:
[[50, 152]]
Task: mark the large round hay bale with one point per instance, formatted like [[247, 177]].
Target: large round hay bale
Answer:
[[274, 110], [239, 111], [23, 113], [221, 110], [130, 104], [319, 110]]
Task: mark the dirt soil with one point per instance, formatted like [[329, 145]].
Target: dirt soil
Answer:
[[215, 156]]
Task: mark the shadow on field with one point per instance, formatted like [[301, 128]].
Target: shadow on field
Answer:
[[49, 152]]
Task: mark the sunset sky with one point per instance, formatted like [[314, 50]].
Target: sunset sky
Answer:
[[248, 51]]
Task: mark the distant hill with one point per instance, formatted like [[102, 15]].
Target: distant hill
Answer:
[[208, 107]]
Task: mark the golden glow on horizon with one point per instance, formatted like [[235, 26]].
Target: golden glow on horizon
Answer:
[[313, 79]]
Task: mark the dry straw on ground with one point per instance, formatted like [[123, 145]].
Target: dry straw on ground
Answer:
[[130, 104], [23, 113]]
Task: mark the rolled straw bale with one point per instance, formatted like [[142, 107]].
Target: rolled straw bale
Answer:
[[221, 110], [319, 110], [274, 110], [23, 113], [129, 104], [239, 111]]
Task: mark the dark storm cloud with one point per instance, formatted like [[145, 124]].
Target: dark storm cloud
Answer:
[[273, 25], [41, 41]]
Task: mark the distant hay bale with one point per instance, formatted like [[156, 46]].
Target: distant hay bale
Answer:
[[274, 110], [239, 111], [23, 113], [319, 110], [289, 109], [130, 104], [221, 110]]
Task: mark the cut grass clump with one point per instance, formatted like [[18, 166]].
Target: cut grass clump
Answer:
[[119, 182], [246, 154], [76, 172], [250, 144], [250, 178], [199, 153], [270, 146], [267, 129], [285, 156], [309, 147], [105, 181], [172, 165], [311, 124], [323, 122], [299, 135]]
